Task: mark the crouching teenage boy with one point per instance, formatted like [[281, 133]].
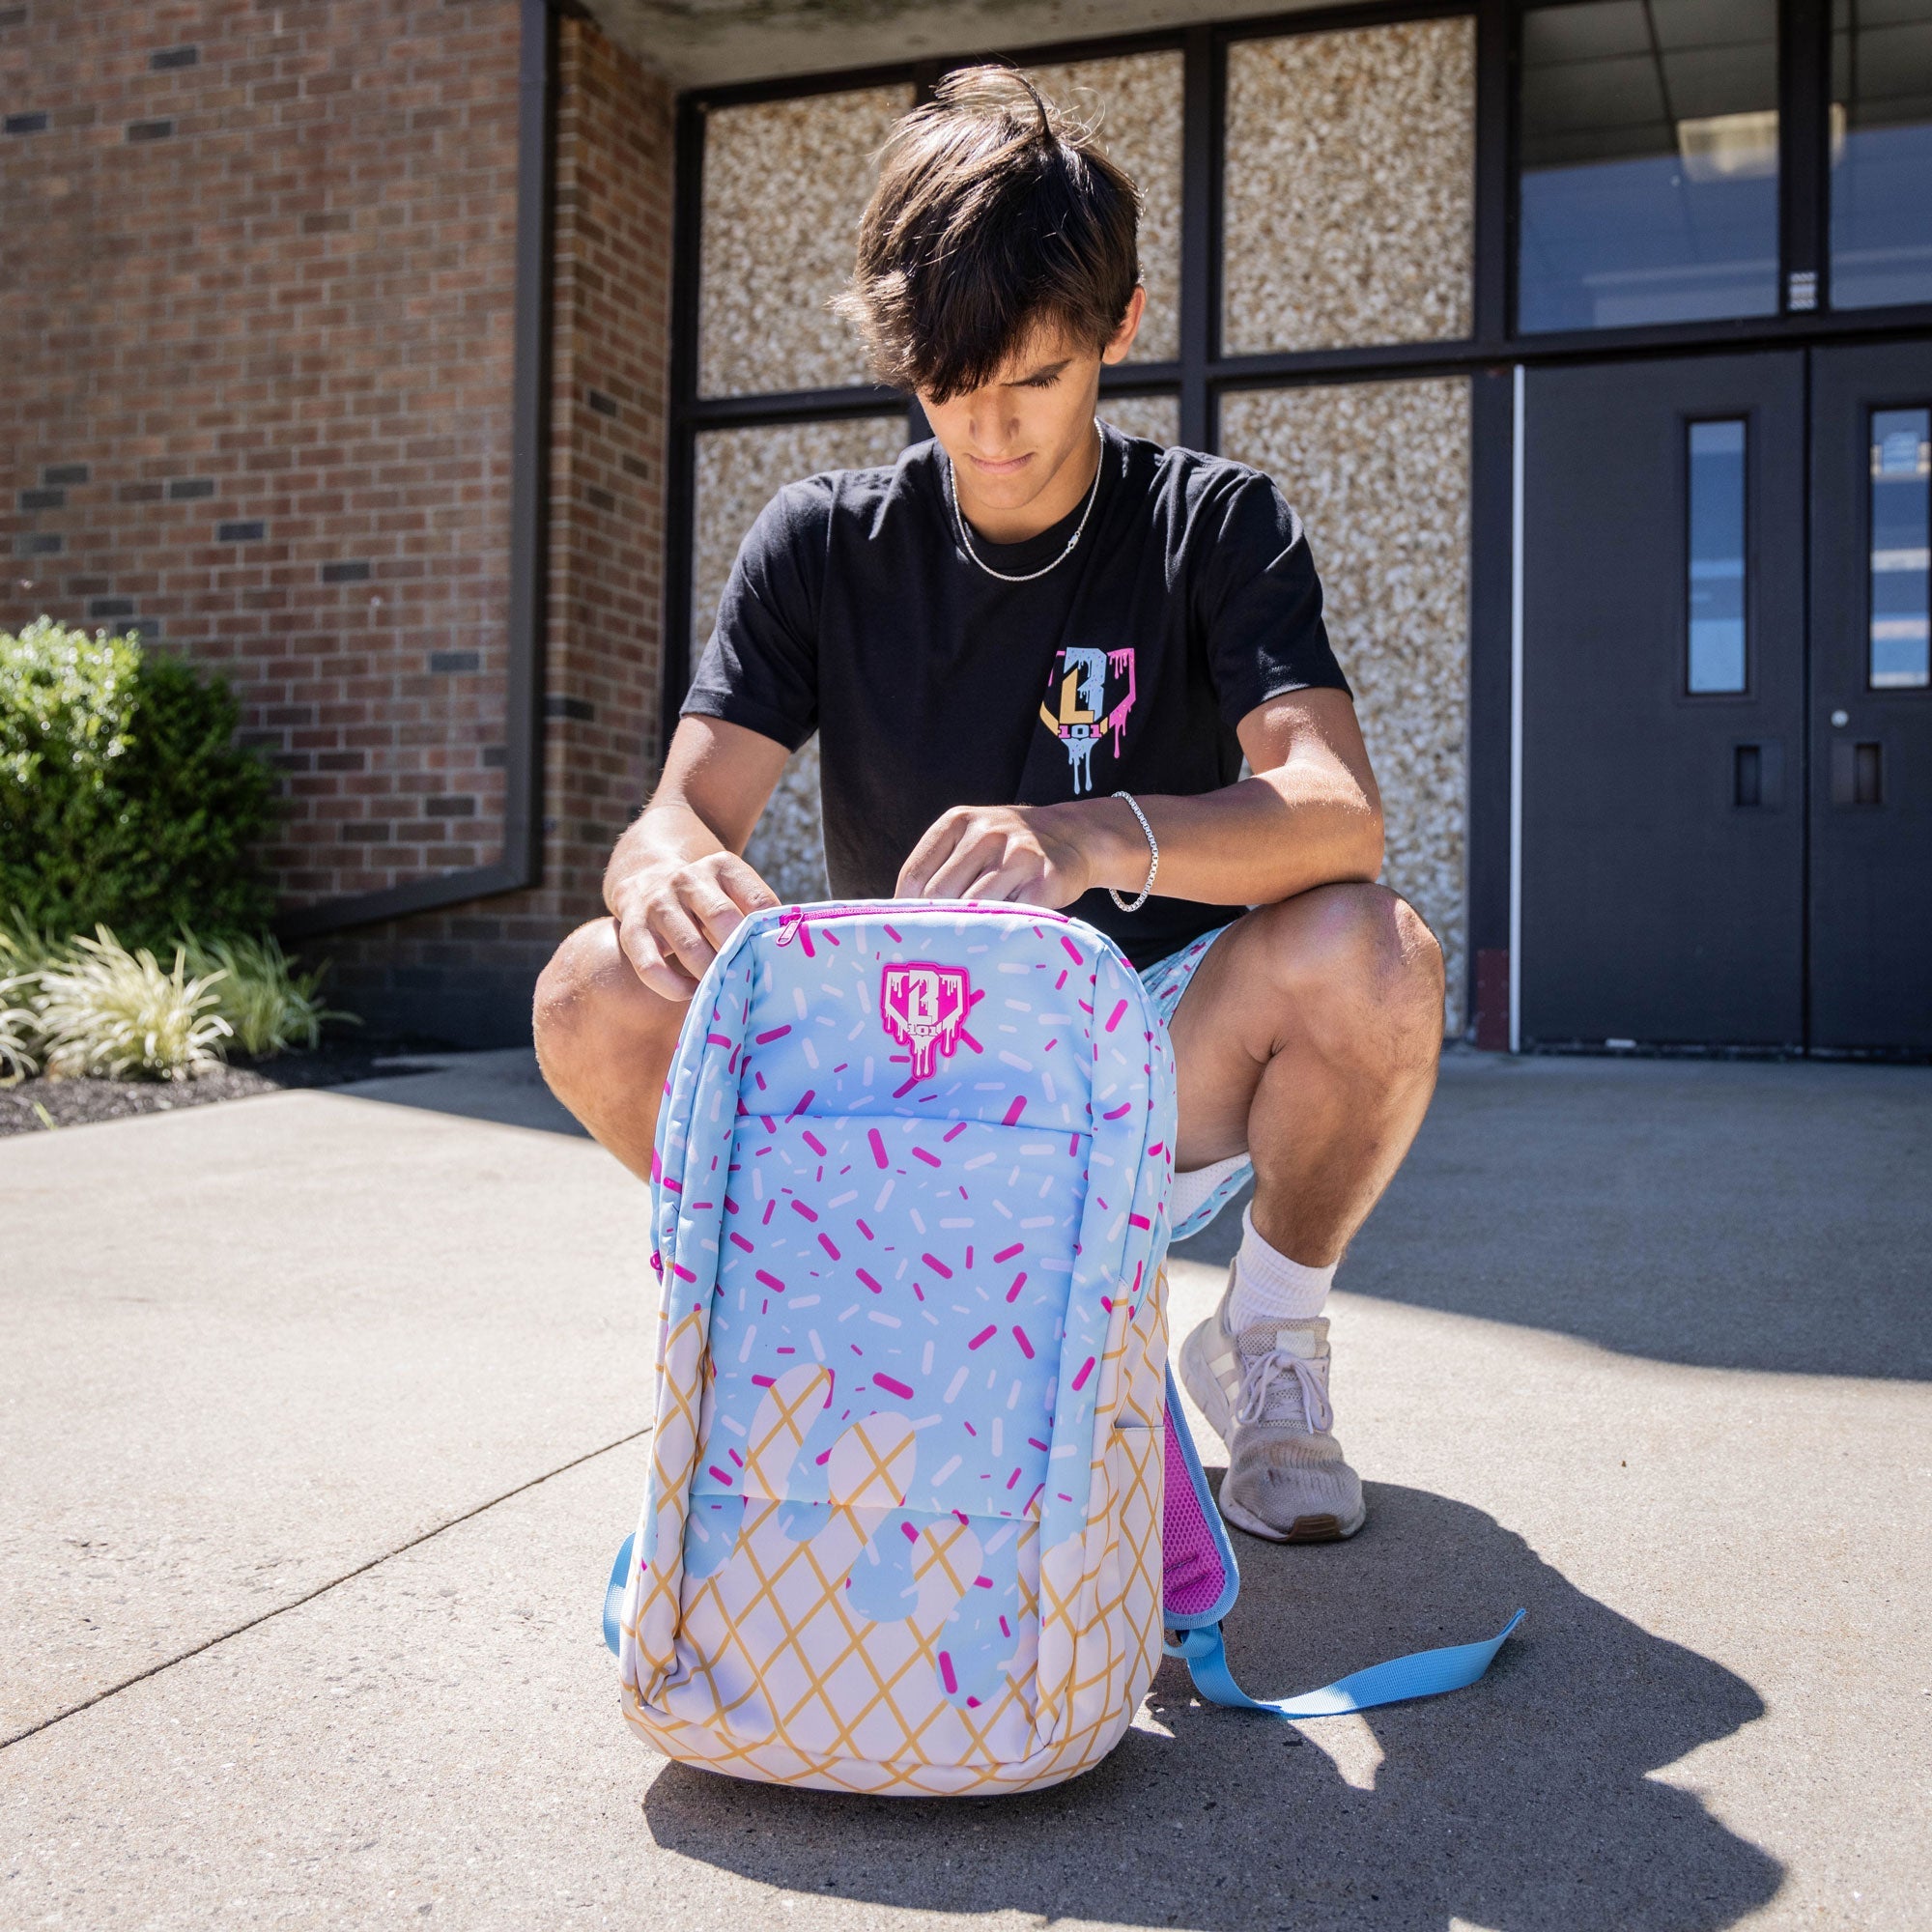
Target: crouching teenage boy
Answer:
[[1035, 651]]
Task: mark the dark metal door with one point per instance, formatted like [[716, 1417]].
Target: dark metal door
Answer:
[[1662, 703], [1871, 699]]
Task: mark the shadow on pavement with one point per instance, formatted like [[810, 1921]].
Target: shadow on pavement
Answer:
[[1716, 1213], [502, 1085], [1524, 1804]]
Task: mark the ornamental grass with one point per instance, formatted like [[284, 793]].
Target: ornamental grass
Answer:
[[95, 1008], [106, 1012], [270, 1003]]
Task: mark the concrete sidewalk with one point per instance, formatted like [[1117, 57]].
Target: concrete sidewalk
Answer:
[[321, 1416]]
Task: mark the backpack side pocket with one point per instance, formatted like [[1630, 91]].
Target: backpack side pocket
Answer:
[[694, 1144]]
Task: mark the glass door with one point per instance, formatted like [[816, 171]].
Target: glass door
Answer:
[[1870, 935], [1663, 662]]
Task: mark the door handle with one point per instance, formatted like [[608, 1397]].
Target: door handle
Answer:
[[1857, 772], [1757, 775]]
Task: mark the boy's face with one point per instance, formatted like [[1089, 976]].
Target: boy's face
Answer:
[[1022, 444]]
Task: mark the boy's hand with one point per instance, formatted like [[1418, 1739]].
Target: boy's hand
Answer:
[[1025, 854], [673, 919]]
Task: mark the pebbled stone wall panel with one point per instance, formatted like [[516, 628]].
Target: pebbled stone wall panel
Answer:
[[1349, 213], [1135, 101], [785, 183], [1380, 476], [739, 471]]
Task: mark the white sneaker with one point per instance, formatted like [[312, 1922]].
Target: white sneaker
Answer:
[[1265, 1394]]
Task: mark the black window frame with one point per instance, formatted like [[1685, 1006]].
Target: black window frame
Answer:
[[1198, 376], [1201, 374]]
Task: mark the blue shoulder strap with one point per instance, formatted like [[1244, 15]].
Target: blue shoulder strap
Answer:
[[1427, 1673], [1196, 1638]]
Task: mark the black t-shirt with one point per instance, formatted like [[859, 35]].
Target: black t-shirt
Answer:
[[853, 611]]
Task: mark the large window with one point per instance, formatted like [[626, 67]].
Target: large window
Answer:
[[1650, 160], [1881, 152]]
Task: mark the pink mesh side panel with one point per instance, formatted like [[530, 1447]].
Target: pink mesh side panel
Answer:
[[1191, 1573]]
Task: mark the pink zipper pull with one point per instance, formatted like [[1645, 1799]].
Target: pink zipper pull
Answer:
[[788, 925]]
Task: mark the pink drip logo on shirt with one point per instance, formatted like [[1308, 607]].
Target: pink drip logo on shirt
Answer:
[[923, 1008]]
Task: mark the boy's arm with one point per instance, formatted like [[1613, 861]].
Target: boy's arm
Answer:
[[1309, 816], [676, 884]]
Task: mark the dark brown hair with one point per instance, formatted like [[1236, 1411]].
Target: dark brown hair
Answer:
[[995, 214]]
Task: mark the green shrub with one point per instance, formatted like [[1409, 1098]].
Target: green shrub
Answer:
[[23, 951], [123, 798], [24, 948], [17, 1035]]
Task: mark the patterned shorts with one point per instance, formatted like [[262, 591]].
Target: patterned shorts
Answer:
[[1166, 980]]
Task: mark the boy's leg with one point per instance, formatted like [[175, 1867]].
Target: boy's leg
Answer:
[[605, 1041], [1309, 1035], [1309, 1038]]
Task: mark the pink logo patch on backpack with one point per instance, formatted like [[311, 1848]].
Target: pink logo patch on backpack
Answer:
[[924, 1008]]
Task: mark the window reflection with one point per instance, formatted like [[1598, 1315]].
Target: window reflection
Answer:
[[1649, 188], [1880, 152], [1714, 593], [1901, 638]]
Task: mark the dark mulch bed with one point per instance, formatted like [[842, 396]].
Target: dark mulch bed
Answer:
[[35, 1105]]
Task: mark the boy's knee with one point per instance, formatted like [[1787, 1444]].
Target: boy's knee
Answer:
[[1359, 963], [592, 1006]]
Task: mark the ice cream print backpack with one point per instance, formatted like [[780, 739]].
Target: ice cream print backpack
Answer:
[[921, 1511]]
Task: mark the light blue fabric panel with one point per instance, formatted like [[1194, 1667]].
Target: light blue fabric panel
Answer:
[[1124, 1223], [950, 1313], [1016, 1053]]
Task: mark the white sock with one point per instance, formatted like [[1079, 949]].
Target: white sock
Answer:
[[1191, 1190], [1268, 1287]]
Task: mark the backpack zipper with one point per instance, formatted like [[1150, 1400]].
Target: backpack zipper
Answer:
[[795, 916]]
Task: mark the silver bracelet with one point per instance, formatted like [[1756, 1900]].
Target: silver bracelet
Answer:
[[1153, 860]]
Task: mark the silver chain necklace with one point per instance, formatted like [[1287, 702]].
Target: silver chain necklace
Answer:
[[952, 491]]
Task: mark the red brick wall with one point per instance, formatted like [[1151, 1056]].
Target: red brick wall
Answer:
[[467, 973], [257, 286]]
